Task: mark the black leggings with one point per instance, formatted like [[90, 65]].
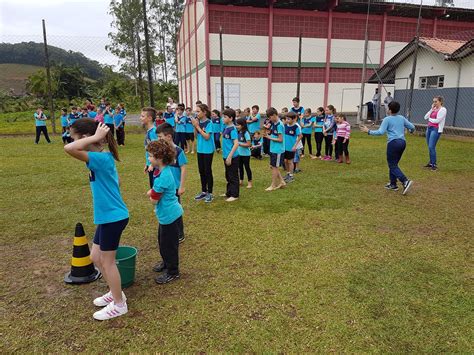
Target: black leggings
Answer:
[[244, 161], [319, 137], [342, 147], [328, 144], [43, 129], [112, 128], [168, 242], [217, 140], [232, 178], [120, 133], [180, 139], [266, 146], [307, 138], [205, 171]]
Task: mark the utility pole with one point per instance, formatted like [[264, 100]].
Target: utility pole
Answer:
[[364, 66], [48, 76], [413, 68], [221, 62], [148, 58], [298, 73]]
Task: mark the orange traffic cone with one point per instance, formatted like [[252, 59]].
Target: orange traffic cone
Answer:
[[82, 268]]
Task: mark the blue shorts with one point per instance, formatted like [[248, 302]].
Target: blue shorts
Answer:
[[107, 235]]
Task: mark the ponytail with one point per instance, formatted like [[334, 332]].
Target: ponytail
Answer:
[[86, 126]]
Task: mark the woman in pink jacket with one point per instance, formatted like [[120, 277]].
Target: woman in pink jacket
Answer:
[[436, 118]]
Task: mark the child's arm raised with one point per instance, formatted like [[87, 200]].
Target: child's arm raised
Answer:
[[77, 148]]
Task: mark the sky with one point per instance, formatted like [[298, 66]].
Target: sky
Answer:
[[81, 26]]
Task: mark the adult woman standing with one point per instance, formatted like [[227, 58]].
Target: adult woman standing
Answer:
[[436, 118]]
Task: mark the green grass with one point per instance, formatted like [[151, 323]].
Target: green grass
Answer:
[[333, 263]]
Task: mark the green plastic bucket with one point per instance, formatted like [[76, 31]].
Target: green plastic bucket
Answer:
[[125, 259]]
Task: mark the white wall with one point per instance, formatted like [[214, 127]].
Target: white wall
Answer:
[[202, 85], [351, 92], [352, 51], [467, 72], [285, 49], [236, 47], [201, 43], [199, 10], [311, 95], [253, 91], [392, 48]]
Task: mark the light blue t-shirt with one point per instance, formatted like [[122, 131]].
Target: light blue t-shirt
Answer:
[[38, 122], [329, 123], [291, 135], [92, 114], [64, 121], [176, 166], [107, 201], [168, 208], [244, 138], [228, 136], [181, 124], [149, 137], [254, 126], [169, 118], [189, 125], [205, 146], [118, 120], [275, 130], [319, 120], [394, 126], [217, 125], [108, 119], [306, 121]]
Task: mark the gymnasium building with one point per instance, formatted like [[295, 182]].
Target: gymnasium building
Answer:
[[261, 40]]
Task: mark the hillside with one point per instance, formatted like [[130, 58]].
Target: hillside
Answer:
[[32, 54], [13, 76]]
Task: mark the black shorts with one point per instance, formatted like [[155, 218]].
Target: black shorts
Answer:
[[275, 160], [190, 137], [107, 235], [289, 155]]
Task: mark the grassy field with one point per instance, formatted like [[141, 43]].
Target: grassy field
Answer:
[[333, 263], [13, 76]]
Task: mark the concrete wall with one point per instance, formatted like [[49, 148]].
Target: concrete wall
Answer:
[[240, 48], [253, 91]]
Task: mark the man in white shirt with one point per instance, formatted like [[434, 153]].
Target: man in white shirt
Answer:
[[376, 104]]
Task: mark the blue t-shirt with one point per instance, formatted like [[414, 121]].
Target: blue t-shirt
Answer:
[[107, 202], [394, 126], [299, 111], [244, 138], [73, 117], [305, 121], [181, 125], [64, 121], [108, 118], [169, 118], [40, 121], [189, 128], [205, 146], [92, 114], [149, 137], [228, 136], [168, 208], [291, 135], [329, 123], [254, 126], [118, 120], [319, 120], [123, 112], [257, 142], [217, 125], [275, 130], [176, 166]]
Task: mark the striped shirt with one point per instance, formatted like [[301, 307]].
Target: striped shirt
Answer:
[[343, 130]]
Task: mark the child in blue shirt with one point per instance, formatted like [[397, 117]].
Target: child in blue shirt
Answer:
[[66, 136], [205, 152], [169, 116], [217, 127], [73, 116], [253, 121], [230, 154], [292, 138], [296, 108], [257, 145], [318, 131], [189, 131], [329, 128], [40, 123], [167, 208], [110, 212], [245, 143], [109, 117], [180, 135], [118, 125], [148, 118], [277, 148], [307, 123], [394, 125]]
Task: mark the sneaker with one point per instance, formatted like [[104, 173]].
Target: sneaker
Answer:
[[200, 196], [291, 178], [286, 178], [104, 300], [232, 199], [181, 239], [297, 171], [209, 197], [406, 186], [160, 267], [165, 278], [429, 165], [223, 195], [434, 167], [111, 311], [391, 187]]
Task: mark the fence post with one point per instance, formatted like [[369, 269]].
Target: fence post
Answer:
[[413, 69], [364, 66], [298, 73], [48, 77], [221, 64], [148, 59]]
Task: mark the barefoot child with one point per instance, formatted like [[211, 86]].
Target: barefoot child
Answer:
[[230, 154], [110, 212], [167, 208], [277, 148]]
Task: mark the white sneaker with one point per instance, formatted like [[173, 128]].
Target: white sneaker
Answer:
[[104, 300], [111, 311]]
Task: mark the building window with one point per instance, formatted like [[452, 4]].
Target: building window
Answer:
[[231, 95], [431, 82]]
